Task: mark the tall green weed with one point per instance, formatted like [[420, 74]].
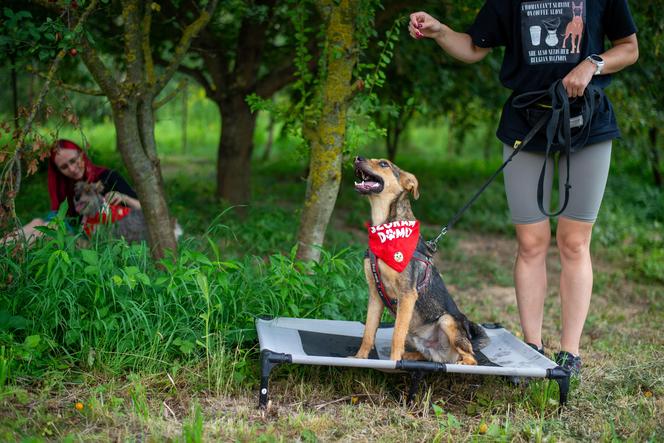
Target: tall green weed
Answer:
[[108, 305]]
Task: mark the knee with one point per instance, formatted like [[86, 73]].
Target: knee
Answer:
[[573, 245], [533, 245]]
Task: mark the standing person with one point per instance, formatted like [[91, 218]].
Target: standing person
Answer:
[[545, 42], [67, 165]]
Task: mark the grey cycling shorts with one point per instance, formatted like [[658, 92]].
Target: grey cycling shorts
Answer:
[[589, 169]]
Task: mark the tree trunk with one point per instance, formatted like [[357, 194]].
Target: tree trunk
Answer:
[[327, 138], [395, 127], [235, 149], [131, 89], [449, 149], [134, 130], [185, 112], [654, 157], [270, 139]]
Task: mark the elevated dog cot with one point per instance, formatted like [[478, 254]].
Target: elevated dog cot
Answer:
[[331, 342]]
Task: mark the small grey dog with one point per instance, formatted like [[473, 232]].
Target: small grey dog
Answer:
[[124, 221]]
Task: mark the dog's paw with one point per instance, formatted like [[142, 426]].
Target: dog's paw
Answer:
[[361, 354], [414, 355], [467, 360]]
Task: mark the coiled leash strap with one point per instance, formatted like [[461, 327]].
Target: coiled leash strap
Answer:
[[558, 128], [558, 132]]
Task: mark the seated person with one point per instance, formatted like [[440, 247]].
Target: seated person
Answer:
[[68, 165]]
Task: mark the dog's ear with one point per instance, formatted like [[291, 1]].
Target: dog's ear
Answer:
[[409, 183], [98, 186], [78, 187]]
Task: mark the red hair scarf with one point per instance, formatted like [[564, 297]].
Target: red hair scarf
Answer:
[[61, 187]]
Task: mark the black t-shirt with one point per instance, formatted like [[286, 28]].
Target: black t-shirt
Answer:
[[114, 182], [545, 40]]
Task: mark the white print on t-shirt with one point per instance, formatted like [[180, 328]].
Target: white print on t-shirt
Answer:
[[552, 31], [574, 28]]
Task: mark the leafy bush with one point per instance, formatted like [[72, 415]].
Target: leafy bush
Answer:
[[109, 305], [630, 225]]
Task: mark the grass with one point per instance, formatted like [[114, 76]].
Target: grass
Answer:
[[170, 353]]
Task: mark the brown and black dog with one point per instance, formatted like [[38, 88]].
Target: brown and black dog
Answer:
[[427, 319], [92, 206]]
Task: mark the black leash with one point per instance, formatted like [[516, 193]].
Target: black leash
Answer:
[[558, 132]]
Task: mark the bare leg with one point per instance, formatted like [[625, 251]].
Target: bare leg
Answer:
[[576, 279], [28, 232], [530, 277]]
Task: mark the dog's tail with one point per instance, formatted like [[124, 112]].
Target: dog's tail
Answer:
[[478, 337]]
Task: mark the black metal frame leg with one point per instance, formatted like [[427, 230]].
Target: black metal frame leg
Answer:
[[269, 360]]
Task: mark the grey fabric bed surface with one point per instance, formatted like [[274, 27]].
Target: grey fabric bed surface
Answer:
[[334, 342]]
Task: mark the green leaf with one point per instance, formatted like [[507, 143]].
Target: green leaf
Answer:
[[185, 346], [32, 341], [65, 257], [90, 256], [131, 270], [143, 278], [202, 282]]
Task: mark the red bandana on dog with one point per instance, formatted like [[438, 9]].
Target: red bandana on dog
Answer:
[[117, 212], [395, 242]]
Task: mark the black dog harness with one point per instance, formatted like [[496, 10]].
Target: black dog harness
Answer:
[[389, 302]]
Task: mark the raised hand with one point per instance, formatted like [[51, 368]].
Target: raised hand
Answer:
[[423, 25]]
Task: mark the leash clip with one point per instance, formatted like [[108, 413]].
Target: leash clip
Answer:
[[432, 245]]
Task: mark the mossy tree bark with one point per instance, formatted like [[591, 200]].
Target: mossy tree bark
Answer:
[[326, 139]]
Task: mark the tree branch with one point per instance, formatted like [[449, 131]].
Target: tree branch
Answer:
[[133, 41], [102, 75], [276, 80], [215, 60], [147, 50], [158, 104], [11, 174], [183, 45], [389, 11], [199, 77], [69, 87]]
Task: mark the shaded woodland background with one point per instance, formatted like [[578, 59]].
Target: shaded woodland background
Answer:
[[240, 120]]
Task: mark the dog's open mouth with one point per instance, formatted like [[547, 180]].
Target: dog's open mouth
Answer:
[[369, 182]]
